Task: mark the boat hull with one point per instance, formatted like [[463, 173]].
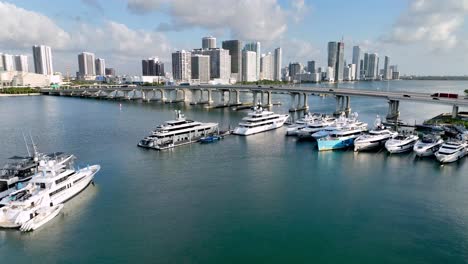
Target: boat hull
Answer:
[[41, 219], [444, 158], [333, 144], [244, 131]]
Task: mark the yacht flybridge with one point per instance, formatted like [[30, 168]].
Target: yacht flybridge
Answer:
[[259, 120], [178, 132], [37, 203]]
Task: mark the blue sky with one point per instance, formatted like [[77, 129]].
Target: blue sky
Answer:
[[421, 36]]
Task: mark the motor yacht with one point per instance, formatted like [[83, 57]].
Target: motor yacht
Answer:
[[401, 143], [452, 151], [341, 139], [375, 138], [293, 129], [428, 145], [317, 125], [178, 132], [259, 120]]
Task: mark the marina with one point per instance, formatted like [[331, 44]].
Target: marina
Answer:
[[240, 192]]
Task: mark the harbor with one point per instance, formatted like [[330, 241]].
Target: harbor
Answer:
[[240, 189]]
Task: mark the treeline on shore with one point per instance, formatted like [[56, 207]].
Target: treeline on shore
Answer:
[[18, 90], [436, 78]]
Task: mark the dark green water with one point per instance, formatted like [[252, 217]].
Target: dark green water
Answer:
[[262, 199]]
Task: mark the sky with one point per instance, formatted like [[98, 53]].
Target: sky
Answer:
[[423, 37]]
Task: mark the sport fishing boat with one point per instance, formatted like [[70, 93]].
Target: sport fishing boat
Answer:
[[375, 138], [452, 151], [340, 139], [178, 132], [428, 145], [292, 130], [259, 120], [56, 182], [401, 143]]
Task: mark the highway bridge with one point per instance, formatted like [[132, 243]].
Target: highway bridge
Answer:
[[203, 94]]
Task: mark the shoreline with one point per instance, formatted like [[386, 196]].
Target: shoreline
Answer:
[[15, 95]]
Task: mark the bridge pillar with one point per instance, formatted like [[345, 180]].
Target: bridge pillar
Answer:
[[393, 111], [306, 103], [210, 98], [340, 105], [254, 95], [269, 102], [455, 111], [125, 94], [298, 106], [237, 98], [293, 108], [262, 98], [194, 96], [347, 108], [163, 95]]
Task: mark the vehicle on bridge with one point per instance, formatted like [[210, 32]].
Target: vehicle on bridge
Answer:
[[445, 95]]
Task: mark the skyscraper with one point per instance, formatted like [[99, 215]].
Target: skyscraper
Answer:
[[357, 61], [277, 64], [200, 68], [311, 66], [8, 62], [249, 66], [209, 42], [365, 70], [86, 65], [1, 61], [294, 69], [152, 67], [181, 66], [100, 65], [267, 67], [255, 46], [387, 73], [220, 62], [110, 71], [340, 64], [21, 63], [332, 52], [373, 66], [235, 50], [42, 59]]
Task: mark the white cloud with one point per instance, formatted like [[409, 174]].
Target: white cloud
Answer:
[[261, 20], [435, 22], [297, 50]]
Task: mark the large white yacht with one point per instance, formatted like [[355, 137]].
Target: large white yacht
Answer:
[[401, 143], [452, 151], [375, 138], [428, 145], [177, 132], [341, 123], [342, 138], [56, 182], [259, 120], [293, 129], [318, 125]]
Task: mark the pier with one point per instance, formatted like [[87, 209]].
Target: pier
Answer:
[[217, 96]]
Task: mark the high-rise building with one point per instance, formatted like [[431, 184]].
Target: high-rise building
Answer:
[[365, 70], [181, 66], [110, 72], [353, 70], [347, 73], [311, 66], [357, 61], [249, 66], [255, 46], [373, 66], [209, 42], [200, 68], [42, 59], [21, 63], [86, 65], [340, 64], [220, 62], [152, 67], [330, 74], [332, 52], [277, 64], [100, 65], [387, 72], [8, 62], [1, 61], [267, 67], [295, 68], [235, 50]]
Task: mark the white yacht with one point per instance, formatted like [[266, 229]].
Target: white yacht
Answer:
[[375, 138], [401, 143], [452, 151], [259, 120], [56, 182], [428, 145], [178, 132], [293, 129], [318, 125]]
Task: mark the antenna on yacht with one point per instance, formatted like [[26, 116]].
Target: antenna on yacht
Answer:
[[26, 143]]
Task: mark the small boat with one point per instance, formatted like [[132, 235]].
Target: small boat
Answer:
[[376, 138], [428, 145], [452, 151], [210, 139], [401, 143], [42, 216]]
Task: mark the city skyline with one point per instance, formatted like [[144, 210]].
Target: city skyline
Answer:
[[121, 34]]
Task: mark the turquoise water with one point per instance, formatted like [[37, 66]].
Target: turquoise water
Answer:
[[266, 198]]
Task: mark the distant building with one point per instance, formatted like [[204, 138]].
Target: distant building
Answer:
[[209, 42], [311, 66], [396, 75], [373, 66], [332, 52], [181, 66], [21, 63], [330, 74], [339, 62], [235, 50], [294, 69], [110, 72], [220, 63], [365, 69], [255, 47], [357, 61], [347, 73], [42, 56], [8, 62], [387, 72], [200, 68], [152, 67], [100, 65], [249, 66], [267, 67], [277, 64], [86, 66]]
